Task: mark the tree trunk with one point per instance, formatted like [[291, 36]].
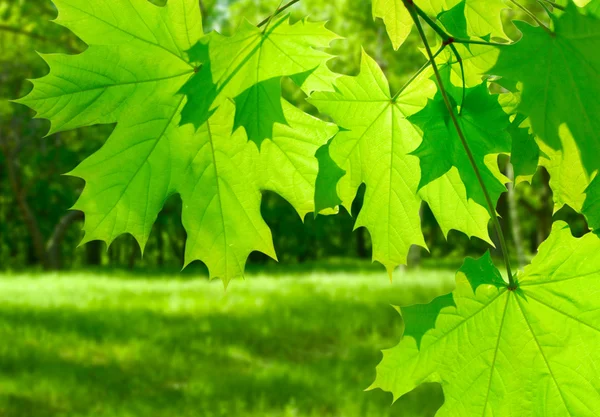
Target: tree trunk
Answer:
[[58, 235], [37, 239]]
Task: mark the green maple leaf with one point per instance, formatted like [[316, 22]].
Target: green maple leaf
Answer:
[[484, 125], [132, 53], [247, 67], [497, 352], [374, 146], [329, 175], [525, 153], [559, 79], [397, 19], [131, 74], [593, 8]]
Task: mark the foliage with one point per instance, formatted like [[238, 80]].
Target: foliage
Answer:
[[374, 148], [179, 99], [493, 342]]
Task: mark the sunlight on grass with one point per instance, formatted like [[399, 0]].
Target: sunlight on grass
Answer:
[[301, 345]]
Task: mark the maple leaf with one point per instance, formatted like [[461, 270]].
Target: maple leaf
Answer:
[[397, 19], [131, 74], [531, 351], [247, 67], [484, 125], [525, 152], [559, 79], [373, 147], [132, 53]]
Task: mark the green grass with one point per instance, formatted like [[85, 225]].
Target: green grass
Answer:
[[296, 346]]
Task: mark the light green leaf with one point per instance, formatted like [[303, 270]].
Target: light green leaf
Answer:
[[224, 176], [559, 77], [248, 66], [131, 74], [131, 54], [397, 19], [568, 176], [497, 352], [373, 148]]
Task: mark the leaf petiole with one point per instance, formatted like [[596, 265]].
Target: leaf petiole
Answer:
[[278, 11], [478, 42], [419, 72]]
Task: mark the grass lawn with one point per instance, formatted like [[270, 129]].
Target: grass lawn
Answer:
[[303, 345]]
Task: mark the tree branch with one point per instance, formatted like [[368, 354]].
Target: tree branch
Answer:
[[58, 235], [492, 210]]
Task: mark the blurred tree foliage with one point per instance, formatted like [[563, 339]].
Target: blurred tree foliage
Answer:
[[36, 228]]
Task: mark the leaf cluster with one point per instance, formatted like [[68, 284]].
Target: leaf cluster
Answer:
[[202, 116]]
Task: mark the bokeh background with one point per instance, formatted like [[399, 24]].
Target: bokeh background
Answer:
[[91, 331]]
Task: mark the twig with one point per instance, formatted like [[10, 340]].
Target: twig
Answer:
[[419, 72], [278, 11]]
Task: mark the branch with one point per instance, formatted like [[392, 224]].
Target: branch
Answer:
[[58, 235], [419, 72], [415, 16], [25, 210], [278, 11]]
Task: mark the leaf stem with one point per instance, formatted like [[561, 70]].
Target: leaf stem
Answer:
[[413, 10], [278, 11], [419, 72], [462, 74], [533, 16], [445, 37], [478, 42]]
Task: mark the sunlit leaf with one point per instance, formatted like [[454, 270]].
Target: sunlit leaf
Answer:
[[499, 352]]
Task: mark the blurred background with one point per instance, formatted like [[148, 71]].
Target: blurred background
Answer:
[[91, 331]]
